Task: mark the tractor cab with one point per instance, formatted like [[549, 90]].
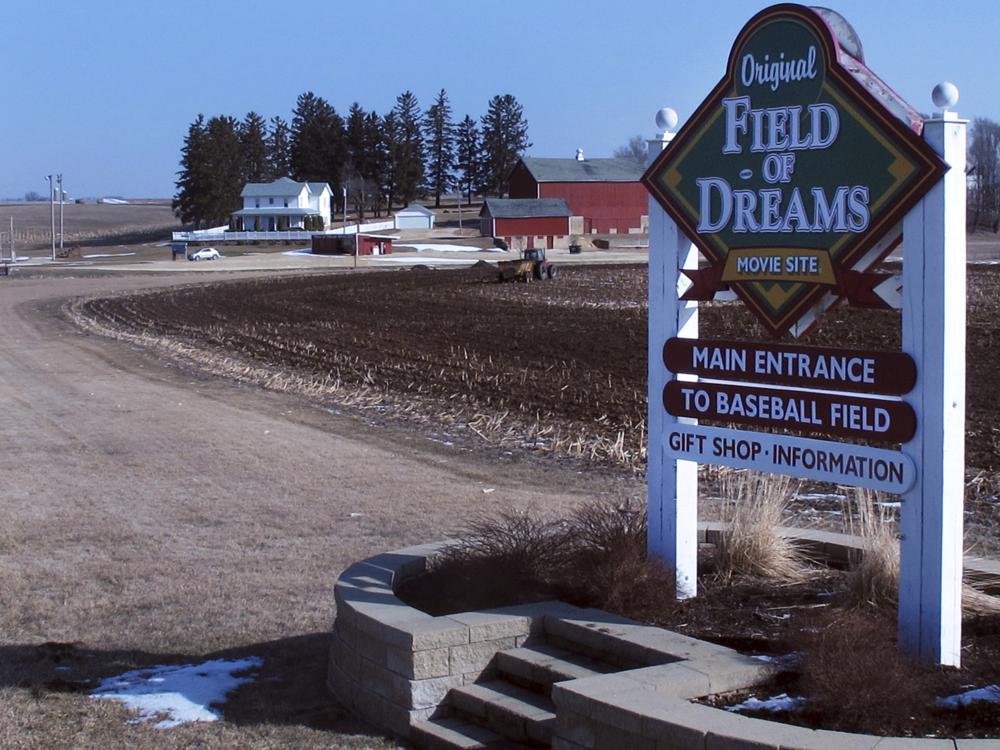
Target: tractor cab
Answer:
[[535, 254]]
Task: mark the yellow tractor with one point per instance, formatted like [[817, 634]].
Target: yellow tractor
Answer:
[[532, 265]]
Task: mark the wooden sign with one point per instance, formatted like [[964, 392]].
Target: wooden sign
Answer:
[[792, 170], [821, 460], [890, 373], [798, 174], [878, 420]]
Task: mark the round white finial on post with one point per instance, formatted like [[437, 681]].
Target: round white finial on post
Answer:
[[945, 96], [666, 121]]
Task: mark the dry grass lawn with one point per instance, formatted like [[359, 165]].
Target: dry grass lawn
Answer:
[[153, 515]]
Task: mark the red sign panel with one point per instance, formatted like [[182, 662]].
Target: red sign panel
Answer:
[[810, 411], [890, 373]]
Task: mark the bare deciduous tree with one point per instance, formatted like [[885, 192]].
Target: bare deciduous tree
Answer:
[[635, 150], [984, 155]]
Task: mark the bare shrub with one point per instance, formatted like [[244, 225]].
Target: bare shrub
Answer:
[[523, 539], [606, 527], [853, 673], [751, 542], [595, 558], [609, 567]]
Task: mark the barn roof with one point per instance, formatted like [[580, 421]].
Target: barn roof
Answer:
[[588, 170], [525, 208]]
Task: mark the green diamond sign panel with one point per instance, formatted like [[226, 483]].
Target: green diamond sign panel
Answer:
[[797, 163]]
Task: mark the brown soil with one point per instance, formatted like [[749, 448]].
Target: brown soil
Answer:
[[565, 362]]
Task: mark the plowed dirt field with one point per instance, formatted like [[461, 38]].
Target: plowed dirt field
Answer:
[[558, 366]]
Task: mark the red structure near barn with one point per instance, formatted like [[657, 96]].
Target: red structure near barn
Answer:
[[604, 195], [339, 244], [526, 222]]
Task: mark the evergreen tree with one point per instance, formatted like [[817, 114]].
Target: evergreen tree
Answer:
[[187, 204], [376, 159], [505, 138], [317, 143], [390, 139], [468, 156], [279, 149], [409, 157], [253, 145], [354, 173], [355, 137], [439, 134], [223, 170], [209, 181]]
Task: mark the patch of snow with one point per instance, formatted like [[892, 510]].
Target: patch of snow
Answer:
[[424, 261], [782, 702], [821, 496], [421, 246], [788, 661], [301, 252], [180, 693], [107, 255], [990, 694]]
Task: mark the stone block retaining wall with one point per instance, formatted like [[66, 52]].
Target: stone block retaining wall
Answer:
[[394, 665]]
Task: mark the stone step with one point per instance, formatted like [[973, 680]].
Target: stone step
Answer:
[[538, 666], [518, 714], [458, 734]]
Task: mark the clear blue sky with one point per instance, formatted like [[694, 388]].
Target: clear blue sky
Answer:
[[103, 91]]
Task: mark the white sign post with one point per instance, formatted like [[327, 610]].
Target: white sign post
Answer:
[[934, 267], [672, 483]]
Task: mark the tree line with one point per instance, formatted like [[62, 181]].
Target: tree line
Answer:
[[984, 186], [382, 160]]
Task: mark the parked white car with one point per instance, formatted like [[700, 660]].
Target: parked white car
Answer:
[[206, 253]]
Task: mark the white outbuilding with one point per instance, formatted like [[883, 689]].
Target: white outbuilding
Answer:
[[414, 216]]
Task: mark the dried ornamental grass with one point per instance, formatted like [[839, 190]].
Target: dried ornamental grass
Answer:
[[874, 577], [752, 542]]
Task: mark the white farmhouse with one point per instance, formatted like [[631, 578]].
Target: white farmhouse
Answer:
[[282, 204]]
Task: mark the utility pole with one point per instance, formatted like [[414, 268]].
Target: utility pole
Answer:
[[62, 201], [52, 214]]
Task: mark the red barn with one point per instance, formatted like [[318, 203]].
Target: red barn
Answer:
[[527, 222], [604, 195]]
